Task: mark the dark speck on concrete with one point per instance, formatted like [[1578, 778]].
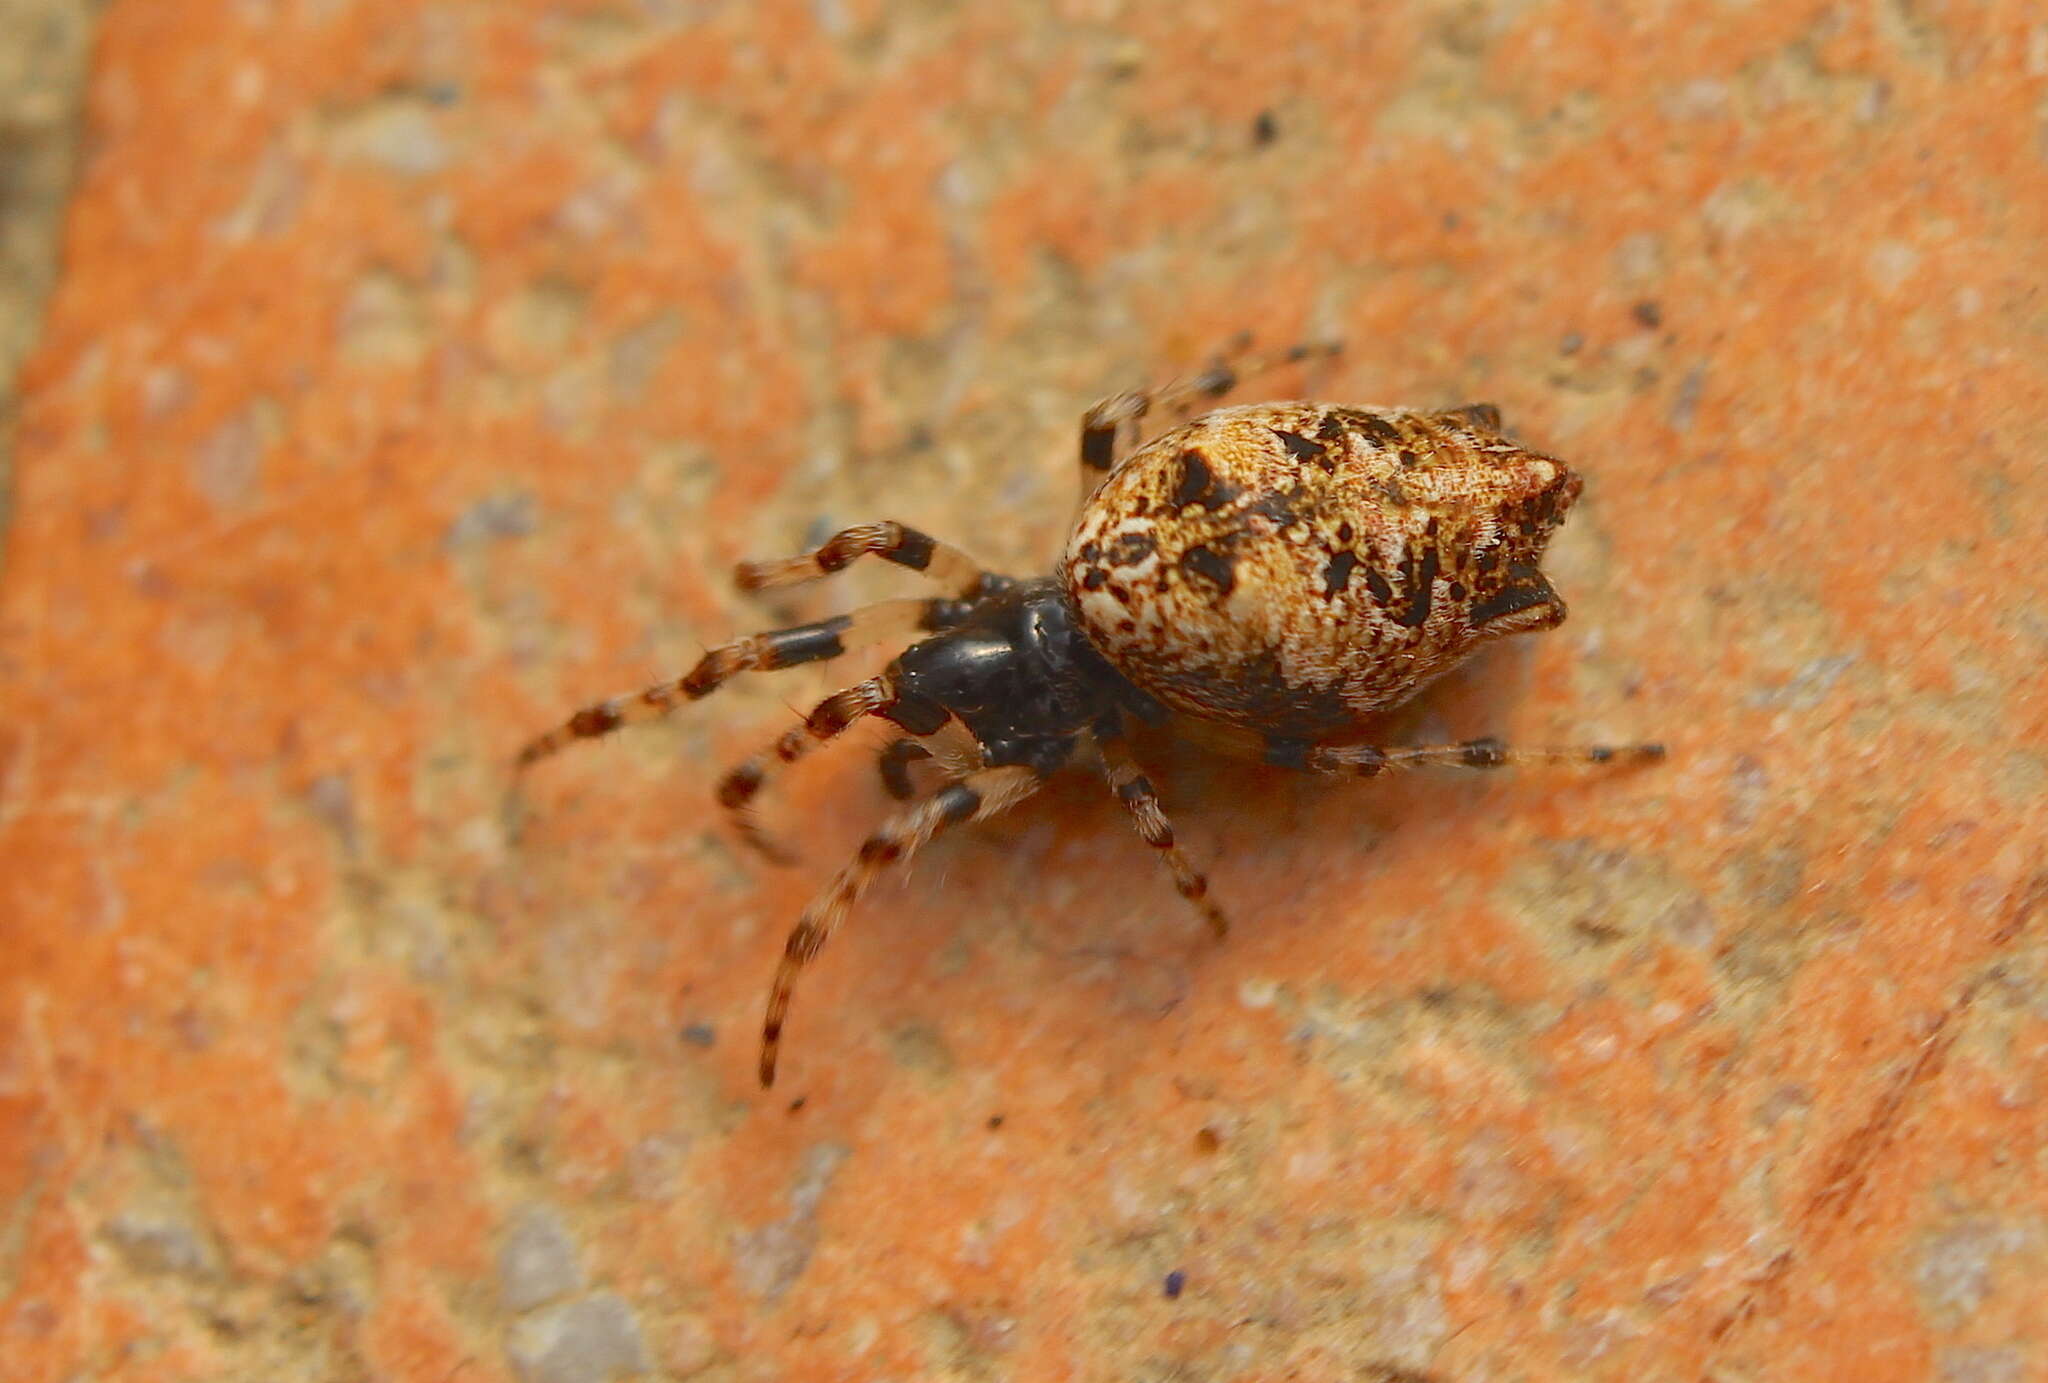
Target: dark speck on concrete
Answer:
[[1175, 1280], [700, 1035], [1265, 129], [1648, 313]]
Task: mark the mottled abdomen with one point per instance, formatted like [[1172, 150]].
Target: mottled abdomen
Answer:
[[1294, 567]]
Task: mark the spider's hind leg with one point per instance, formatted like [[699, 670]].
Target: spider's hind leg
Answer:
[[1370, 760], [1367, 760], [1105, 438], [975, 797]]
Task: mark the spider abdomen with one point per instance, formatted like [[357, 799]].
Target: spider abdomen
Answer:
[[1295, 567]]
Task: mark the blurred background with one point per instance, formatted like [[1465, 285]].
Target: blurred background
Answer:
[[42, 86], [394, 377]]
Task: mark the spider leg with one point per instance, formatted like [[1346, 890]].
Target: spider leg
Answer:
[[977, 797], [952, 744], [1484, 416], [959, 575], [1135, 791], [1367, 760], [780, 648], [827, 721], [894, 765], [1104, 438], [937, 732]]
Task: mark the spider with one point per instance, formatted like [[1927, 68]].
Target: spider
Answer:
[[1261, 578]]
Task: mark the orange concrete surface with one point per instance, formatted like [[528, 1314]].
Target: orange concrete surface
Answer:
[[419, 369]]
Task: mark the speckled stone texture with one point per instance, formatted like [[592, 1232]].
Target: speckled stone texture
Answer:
[[418, 370]]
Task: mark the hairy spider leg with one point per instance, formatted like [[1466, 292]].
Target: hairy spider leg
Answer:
[[976, 797], [894, 762], [780, 648], [1141, 800], [1484, 416], [959, 575], [952, 744], [1367, 760], [943, 737], [1105, 440], [827, 721]]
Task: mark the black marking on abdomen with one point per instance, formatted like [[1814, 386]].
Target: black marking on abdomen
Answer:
[[1370, 425], [1418, 578], [1200, 485], [1129, 549], [1301, 448], [1210, 566], [1337, 575], [1513, 599]]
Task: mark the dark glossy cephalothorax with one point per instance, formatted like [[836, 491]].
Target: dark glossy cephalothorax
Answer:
[[1262, 578], [1019, 675]]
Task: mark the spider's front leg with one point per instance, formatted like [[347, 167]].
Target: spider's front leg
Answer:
[[769, 652], [951, 569], [975, 797]]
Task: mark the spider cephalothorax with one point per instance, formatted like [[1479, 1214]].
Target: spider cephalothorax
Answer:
[[1264, 578]]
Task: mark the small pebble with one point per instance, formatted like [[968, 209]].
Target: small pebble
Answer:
[[588, 1341], [537, 1260]]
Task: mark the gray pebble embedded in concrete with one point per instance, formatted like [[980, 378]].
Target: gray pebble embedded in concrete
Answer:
[[770, 1258], [537, 1261], [160, 1244], [587, 1341]]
